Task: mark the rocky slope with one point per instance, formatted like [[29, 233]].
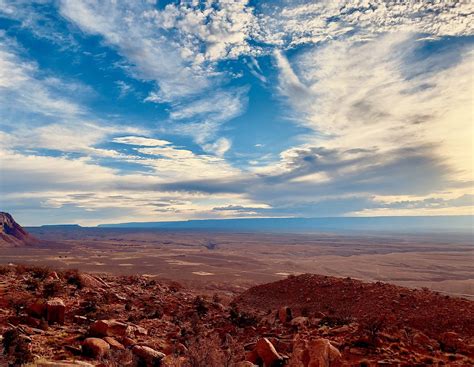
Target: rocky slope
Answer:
[[12, 234], [309, 320]]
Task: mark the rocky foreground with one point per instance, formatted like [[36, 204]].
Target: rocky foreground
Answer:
[[67, 318]]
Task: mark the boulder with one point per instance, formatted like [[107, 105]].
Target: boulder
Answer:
[[95, 347], [323, 354], [114, 344], [285, 314], [314, 353], [147, 356], [108, 328], [300, 355], [55, 311], [252, 356], [267, 352]]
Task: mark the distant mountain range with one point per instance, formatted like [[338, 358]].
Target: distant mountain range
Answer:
[[386, 224]]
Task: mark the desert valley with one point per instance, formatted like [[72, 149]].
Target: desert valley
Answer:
[[136, 297]]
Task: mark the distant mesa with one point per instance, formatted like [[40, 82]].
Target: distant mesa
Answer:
[[12, 234]]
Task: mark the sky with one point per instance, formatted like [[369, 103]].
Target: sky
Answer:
[[120, 111]]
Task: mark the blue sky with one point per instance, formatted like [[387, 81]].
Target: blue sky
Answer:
[[116, 111]]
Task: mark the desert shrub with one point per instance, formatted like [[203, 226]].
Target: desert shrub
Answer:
[[18, 305], [5, 269], [16, 347], [40, 272], [241, 319], [200, 306], [32, 284], [52, 289], [89, 307], [206, 351], [372, 326], [336, 320], [73, 277], [175, 286]]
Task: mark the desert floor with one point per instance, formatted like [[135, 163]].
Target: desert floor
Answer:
[[233, 261]]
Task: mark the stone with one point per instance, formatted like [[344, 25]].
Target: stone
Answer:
[[114, 344], [95, 347], [284, 314], [323, 354], [314, 353], [300, 321], [80, 320], [251, 356], [108, 328], [37, 309], [91, 281], [55, 311], [267, 352], [147, 355]]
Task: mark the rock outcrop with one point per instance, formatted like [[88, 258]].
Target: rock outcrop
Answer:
[[12, 234]]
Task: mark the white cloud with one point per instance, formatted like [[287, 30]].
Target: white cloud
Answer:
[[291, 24], [219, 147], [22, 90], [142, 141], [379, 122], [185, 77]]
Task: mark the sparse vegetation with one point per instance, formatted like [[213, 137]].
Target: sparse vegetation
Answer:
[[16, 347]]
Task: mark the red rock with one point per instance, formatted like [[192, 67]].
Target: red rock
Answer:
[[91, 281], [251, 356], [300, 321], [108, 328], [114, 344], [55, 311], [267, 352], [95, 347], [284, 314], [314, 353], [128, 342], [37, 309], [323, 354], [300, 355], [147, 355]]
